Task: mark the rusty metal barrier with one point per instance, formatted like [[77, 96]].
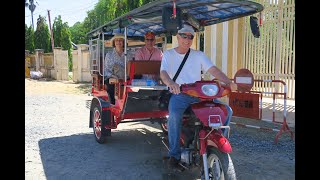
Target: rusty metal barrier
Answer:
[[245, 102], [284, 124], [251, 103]]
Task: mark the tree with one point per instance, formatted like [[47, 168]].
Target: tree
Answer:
[[90, 22], [57, 29], [78, 35], [62, 37], [31, 7], [42, 35], [65, 37], [29, 39], [103, 12], [66, 42]]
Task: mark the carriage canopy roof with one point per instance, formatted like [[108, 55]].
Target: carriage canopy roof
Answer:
[[199, 13]]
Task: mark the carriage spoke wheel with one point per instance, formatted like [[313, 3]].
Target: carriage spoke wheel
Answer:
[[97, 123], [99, 129]]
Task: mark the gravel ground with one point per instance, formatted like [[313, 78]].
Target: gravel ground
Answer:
[[60, 145]]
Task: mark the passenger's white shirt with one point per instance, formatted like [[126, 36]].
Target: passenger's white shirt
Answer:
[[191, 71]]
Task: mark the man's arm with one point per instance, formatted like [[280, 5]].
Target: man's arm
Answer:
[[173, 87], [217, 73]]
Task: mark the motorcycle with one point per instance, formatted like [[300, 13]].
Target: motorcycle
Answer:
[[205, 131]]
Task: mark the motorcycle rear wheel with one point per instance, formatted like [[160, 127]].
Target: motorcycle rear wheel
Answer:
[[220, 165]]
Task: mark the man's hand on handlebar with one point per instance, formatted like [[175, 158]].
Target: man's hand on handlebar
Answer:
[[174, 88]]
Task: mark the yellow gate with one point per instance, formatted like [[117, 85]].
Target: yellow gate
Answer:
[[272, 56], [27, 67]]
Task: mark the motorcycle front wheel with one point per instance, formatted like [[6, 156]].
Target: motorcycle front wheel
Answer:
[[220, 165]]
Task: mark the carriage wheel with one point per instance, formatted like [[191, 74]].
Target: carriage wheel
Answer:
[[99, 129]]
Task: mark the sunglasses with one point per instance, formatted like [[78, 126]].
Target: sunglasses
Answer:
[[149, 39], [185, 36]]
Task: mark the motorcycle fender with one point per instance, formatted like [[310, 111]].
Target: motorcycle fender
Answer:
[[215, 139], [218, 140]]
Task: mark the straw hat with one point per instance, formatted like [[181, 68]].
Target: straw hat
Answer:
[[116, 36]]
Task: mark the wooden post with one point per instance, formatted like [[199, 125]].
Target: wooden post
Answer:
[[52, 41]]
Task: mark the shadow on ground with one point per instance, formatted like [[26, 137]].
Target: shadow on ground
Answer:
[[134, 154], [137, 154]]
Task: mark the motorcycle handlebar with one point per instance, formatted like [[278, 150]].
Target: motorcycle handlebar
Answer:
[[224, 89], [168, 88]]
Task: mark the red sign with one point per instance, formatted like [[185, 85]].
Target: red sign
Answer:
[[245, 105], [244, 79]]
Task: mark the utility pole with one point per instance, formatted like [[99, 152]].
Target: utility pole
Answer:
[[52, 41]]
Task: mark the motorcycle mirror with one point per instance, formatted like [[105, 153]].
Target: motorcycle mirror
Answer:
[[254, 26], [244, 79]]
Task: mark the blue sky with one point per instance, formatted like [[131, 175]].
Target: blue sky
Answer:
[[71, 11]]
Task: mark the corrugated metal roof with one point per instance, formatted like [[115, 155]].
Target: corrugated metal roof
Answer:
[[199, 13]]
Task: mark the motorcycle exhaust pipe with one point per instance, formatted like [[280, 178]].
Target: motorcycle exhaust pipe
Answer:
[[166, 144], [205, 166]]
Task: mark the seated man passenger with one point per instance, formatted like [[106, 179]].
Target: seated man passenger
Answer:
[[149, 51]]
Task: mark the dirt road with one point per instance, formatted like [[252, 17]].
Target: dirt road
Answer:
[[60, 145]]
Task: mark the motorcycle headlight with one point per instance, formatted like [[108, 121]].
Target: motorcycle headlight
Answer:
[[210, 89]]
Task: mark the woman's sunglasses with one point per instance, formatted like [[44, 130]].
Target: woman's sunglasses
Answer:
[[185, 36]]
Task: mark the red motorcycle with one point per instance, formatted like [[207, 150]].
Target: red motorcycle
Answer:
[[205, 131]]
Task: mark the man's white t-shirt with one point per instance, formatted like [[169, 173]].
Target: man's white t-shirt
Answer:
[[191, 71]]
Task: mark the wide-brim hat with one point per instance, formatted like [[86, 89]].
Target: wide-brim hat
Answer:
[[117, 36]]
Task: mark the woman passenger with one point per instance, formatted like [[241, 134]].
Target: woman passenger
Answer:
[[114, 64]]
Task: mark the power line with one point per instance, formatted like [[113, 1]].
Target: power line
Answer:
[[35, 13], [64, 13], [67, 11], [77, 8], [42, 13]]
